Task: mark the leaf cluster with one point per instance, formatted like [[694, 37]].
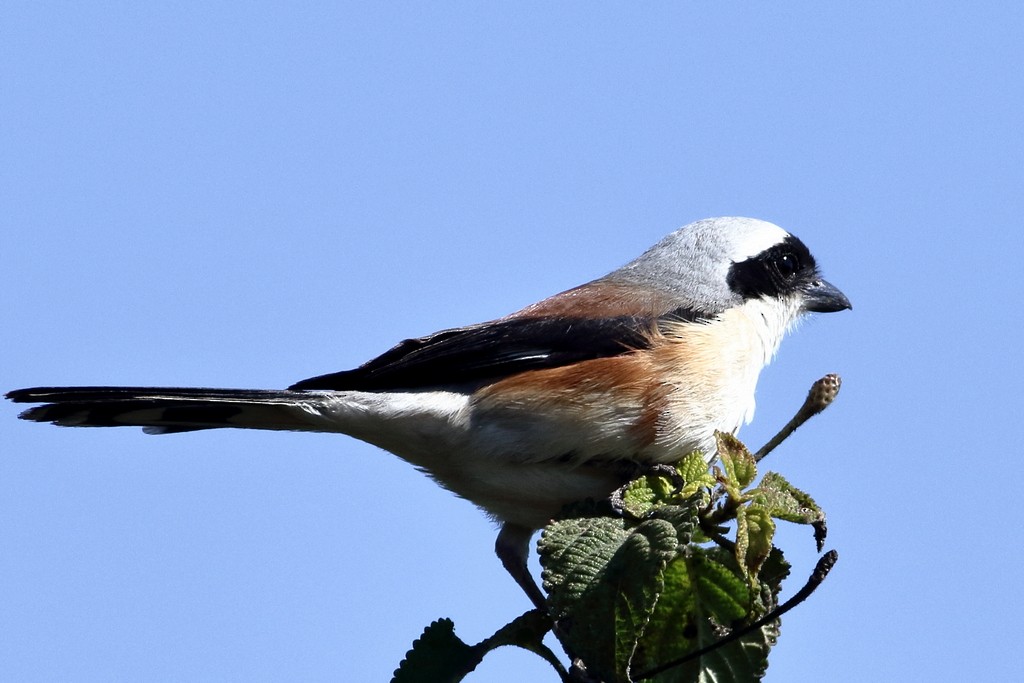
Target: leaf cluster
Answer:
[[648, 585]]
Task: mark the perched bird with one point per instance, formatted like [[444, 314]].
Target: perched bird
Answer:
[[556, 403]]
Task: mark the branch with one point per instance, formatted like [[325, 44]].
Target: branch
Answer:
[[821, 395]]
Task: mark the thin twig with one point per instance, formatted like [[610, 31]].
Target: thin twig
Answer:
[[821, 395]]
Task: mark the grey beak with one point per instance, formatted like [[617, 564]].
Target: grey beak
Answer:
[[822, 297]]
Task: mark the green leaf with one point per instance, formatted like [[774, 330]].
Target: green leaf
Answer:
[[644, 494], [738, 462], [652, 491], [437, 656], [723, 594], [782, 500], [702, 599], [694, 470], [641, 592], [773, 572], [672, 629], [683, 518], [755, 530], [603, 580], [742, 661]]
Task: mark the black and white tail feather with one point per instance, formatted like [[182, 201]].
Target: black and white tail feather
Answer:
[[168, 410]]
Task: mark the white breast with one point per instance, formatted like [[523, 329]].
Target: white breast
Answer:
[[715, 373]]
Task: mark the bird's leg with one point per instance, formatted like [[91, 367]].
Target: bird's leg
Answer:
[[512, 548], [513, 543]]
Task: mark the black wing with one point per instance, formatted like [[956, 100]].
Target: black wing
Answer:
[[481, 354]]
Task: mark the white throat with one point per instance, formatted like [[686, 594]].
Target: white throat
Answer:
[[769, 320]]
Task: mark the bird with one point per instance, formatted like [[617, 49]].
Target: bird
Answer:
[[555, 403]]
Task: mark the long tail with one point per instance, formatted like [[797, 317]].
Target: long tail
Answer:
[[162, 410]]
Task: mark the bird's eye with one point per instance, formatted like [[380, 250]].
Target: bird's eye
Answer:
[[787, 265]]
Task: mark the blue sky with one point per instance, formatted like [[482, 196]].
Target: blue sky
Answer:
[[199, 194]]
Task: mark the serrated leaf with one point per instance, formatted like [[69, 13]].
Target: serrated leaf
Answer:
[[642, 495], [743, 661], [742, 541], [572, 552], [755, 531], [701, 599], [603, 581], [782, 500], [738, 462], [647, 493], [683, 518], [672, 629], [773, 572], [636, 571], [721, 590], [693, 467], [694, 470], [437, 656]]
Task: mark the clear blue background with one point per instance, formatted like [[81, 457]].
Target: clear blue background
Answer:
[[244, 196]]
